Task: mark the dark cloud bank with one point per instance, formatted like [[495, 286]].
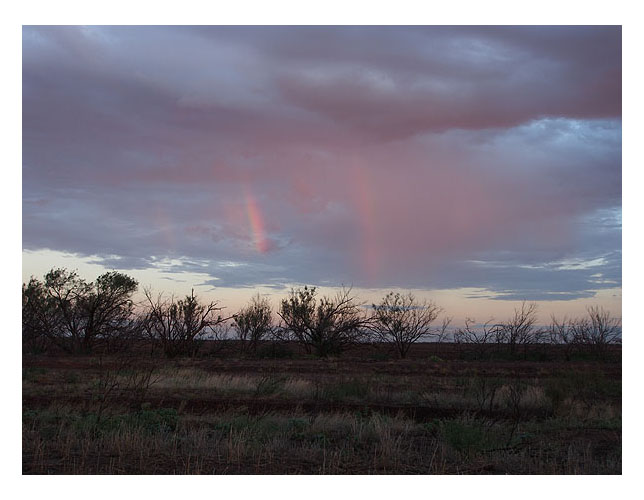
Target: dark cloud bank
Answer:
[[425, 157]]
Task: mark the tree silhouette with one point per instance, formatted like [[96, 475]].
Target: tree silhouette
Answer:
[[324, 326], [253, 323], [180, 324], [75, 314], [403, 320]]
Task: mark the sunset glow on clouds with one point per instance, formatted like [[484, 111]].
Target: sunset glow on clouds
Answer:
[[432, 158]]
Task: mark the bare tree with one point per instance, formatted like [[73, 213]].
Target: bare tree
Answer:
[[180, 324], [600, 330], [596, 332], [567, 333], [521, 328], [324, 326], [253, 323], [403, 320], [477, 337], [441, 333]]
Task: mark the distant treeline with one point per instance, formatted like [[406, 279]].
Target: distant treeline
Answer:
[[65, 312]]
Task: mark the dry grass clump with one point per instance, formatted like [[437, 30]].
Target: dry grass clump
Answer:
[[299, 388], [183, 378], [190, 379]]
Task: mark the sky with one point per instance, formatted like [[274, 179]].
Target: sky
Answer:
[[476, 166]]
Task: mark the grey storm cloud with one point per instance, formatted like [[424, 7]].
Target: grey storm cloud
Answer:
[[377, 156]]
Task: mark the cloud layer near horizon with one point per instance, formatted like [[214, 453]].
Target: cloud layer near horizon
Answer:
[[435, 157]]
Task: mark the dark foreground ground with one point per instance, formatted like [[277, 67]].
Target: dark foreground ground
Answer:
[[364, 413]]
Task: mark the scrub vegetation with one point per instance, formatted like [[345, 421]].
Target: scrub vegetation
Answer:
[[245, 395]]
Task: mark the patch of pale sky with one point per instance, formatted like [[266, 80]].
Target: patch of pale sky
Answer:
[[459, 303]]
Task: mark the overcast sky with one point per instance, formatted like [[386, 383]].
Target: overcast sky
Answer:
[[484, 161]]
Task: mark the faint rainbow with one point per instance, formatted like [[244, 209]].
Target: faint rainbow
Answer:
[[366, 203], [256, 222], [165, 227]]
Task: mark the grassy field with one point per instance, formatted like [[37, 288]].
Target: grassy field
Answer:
[[359, 414]]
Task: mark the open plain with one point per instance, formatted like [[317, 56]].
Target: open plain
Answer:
[[441, 411]]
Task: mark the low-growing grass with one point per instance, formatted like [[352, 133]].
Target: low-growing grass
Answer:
[[328, 417], [233, 441], [162, 441]]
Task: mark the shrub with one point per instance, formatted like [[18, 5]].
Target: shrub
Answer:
[[403, 320], [74, 314], [179, 325], [324, 326], [253, 323]]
